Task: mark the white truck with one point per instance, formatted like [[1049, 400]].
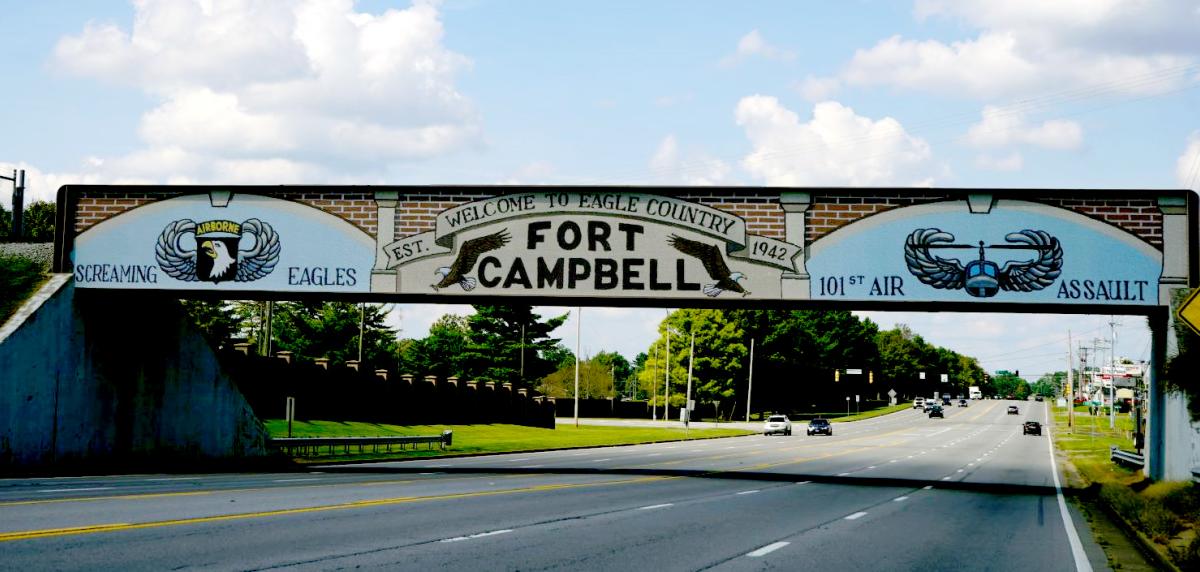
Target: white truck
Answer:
[[975, 393]]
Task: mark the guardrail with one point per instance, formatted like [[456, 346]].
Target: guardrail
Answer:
[[1127, 458], [312, 445]]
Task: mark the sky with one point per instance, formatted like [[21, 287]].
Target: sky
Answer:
[[943, 93]]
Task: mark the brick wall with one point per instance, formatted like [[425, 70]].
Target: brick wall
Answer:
[[98, 206], [831, 211], [356, 207], [417, 213]]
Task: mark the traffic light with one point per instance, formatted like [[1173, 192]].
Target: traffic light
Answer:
[[870, 377], [837, 375]]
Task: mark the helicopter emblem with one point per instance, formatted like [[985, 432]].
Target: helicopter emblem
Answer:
[[983, 278]]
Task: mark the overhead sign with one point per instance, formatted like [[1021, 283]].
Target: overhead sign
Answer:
[[1019, 251], [1189, 311], [854, 372], [612, 244], [250, 242]]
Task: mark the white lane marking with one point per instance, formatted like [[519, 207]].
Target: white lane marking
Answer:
[[910, 456], [767, 549], [426, 473], [671, 447], [803, 482], [438, 466], [602, 460], [480, 535], [892, 461], [173, 479], [530, 466], [518, 460], [970, 464], [654, 506], [945, 478], [871, 467], [1081, 561], [653, 454], [856, 516], [843, 474], [899, 499], [73, 490], [293, 480], [748, 492], [959, 471]]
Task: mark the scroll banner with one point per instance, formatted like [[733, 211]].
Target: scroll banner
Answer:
[[714, 223]]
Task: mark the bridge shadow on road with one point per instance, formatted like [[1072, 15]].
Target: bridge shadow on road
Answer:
[[760, 476]]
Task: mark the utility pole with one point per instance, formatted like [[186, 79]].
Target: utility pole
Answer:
[[18, 202], [750, 386], [522, 353], [1070, 383], [1112, 386]]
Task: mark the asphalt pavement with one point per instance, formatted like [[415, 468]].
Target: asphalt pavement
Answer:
[[898, 492]]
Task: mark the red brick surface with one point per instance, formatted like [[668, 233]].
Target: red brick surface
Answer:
[[830, 210]]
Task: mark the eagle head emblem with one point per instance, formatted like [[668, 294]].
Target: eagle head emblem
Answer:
[[225, 250]]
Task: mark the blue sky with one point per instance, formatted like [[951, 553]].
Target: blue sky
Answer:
[[1022, 93]]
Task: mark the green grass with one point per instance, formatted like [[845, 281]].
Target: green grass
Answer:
[[1087, 444], [478, 439], [19, 277], [872, 414]]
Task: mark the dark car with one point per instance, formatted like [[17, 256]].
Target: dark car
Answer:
[[1038, 398], [1012, 410], [936, 411], [946, 400], [1033, 428], [820, 427], [962, 402]]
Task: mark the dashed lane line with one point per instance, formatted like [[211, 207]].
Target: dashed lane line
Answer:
[[767, 549]]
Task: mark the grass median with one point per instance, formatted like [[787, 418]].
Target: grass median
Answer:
[[485, 439], [1165, 514]]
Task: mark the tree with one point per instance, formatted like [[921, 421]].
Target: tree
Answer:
[[495, 344], [5, 221], [217, 320], [440, 353], [39, 222], [331, 329], [595, 381], [559, 355]]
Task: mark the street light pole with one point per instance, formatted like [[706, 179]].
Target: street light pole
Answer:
[[687, 403], [522, 353], [750, 386], [578, 329], [667, 388], [654, 388]]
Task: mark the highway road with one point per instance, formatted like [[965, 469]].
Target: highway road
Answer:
[[900, 492]]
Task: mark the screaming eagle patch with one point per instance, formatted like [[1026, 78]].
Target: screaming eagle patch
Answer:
[[224, 250]]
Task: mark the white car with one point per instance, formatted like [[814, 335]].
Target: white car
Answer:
[[919, 403], [777, 424]]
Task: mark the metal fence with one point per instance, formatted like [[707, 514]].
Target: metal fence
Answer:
[[308, 446]]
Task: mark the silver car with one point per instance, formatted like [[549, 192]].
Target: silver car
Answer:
[[777, 424]]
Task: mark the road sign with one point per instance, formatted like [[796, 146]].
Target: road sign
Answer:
[[856, 399], [691, 405], [922, 375], [854, 372], [891, 393], [945, 378], [1189, 311]]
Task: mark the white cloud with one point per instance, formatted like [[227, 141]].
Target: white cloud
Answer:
[[814, 89], [691, 168], [281, 87], [754, 45], [1109, 46], [1011, 162], [1187, 168], [836, 147], [1002, 127]]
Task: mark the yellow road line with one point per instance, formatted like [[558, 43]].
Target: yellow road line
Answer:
[[110, 527]]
